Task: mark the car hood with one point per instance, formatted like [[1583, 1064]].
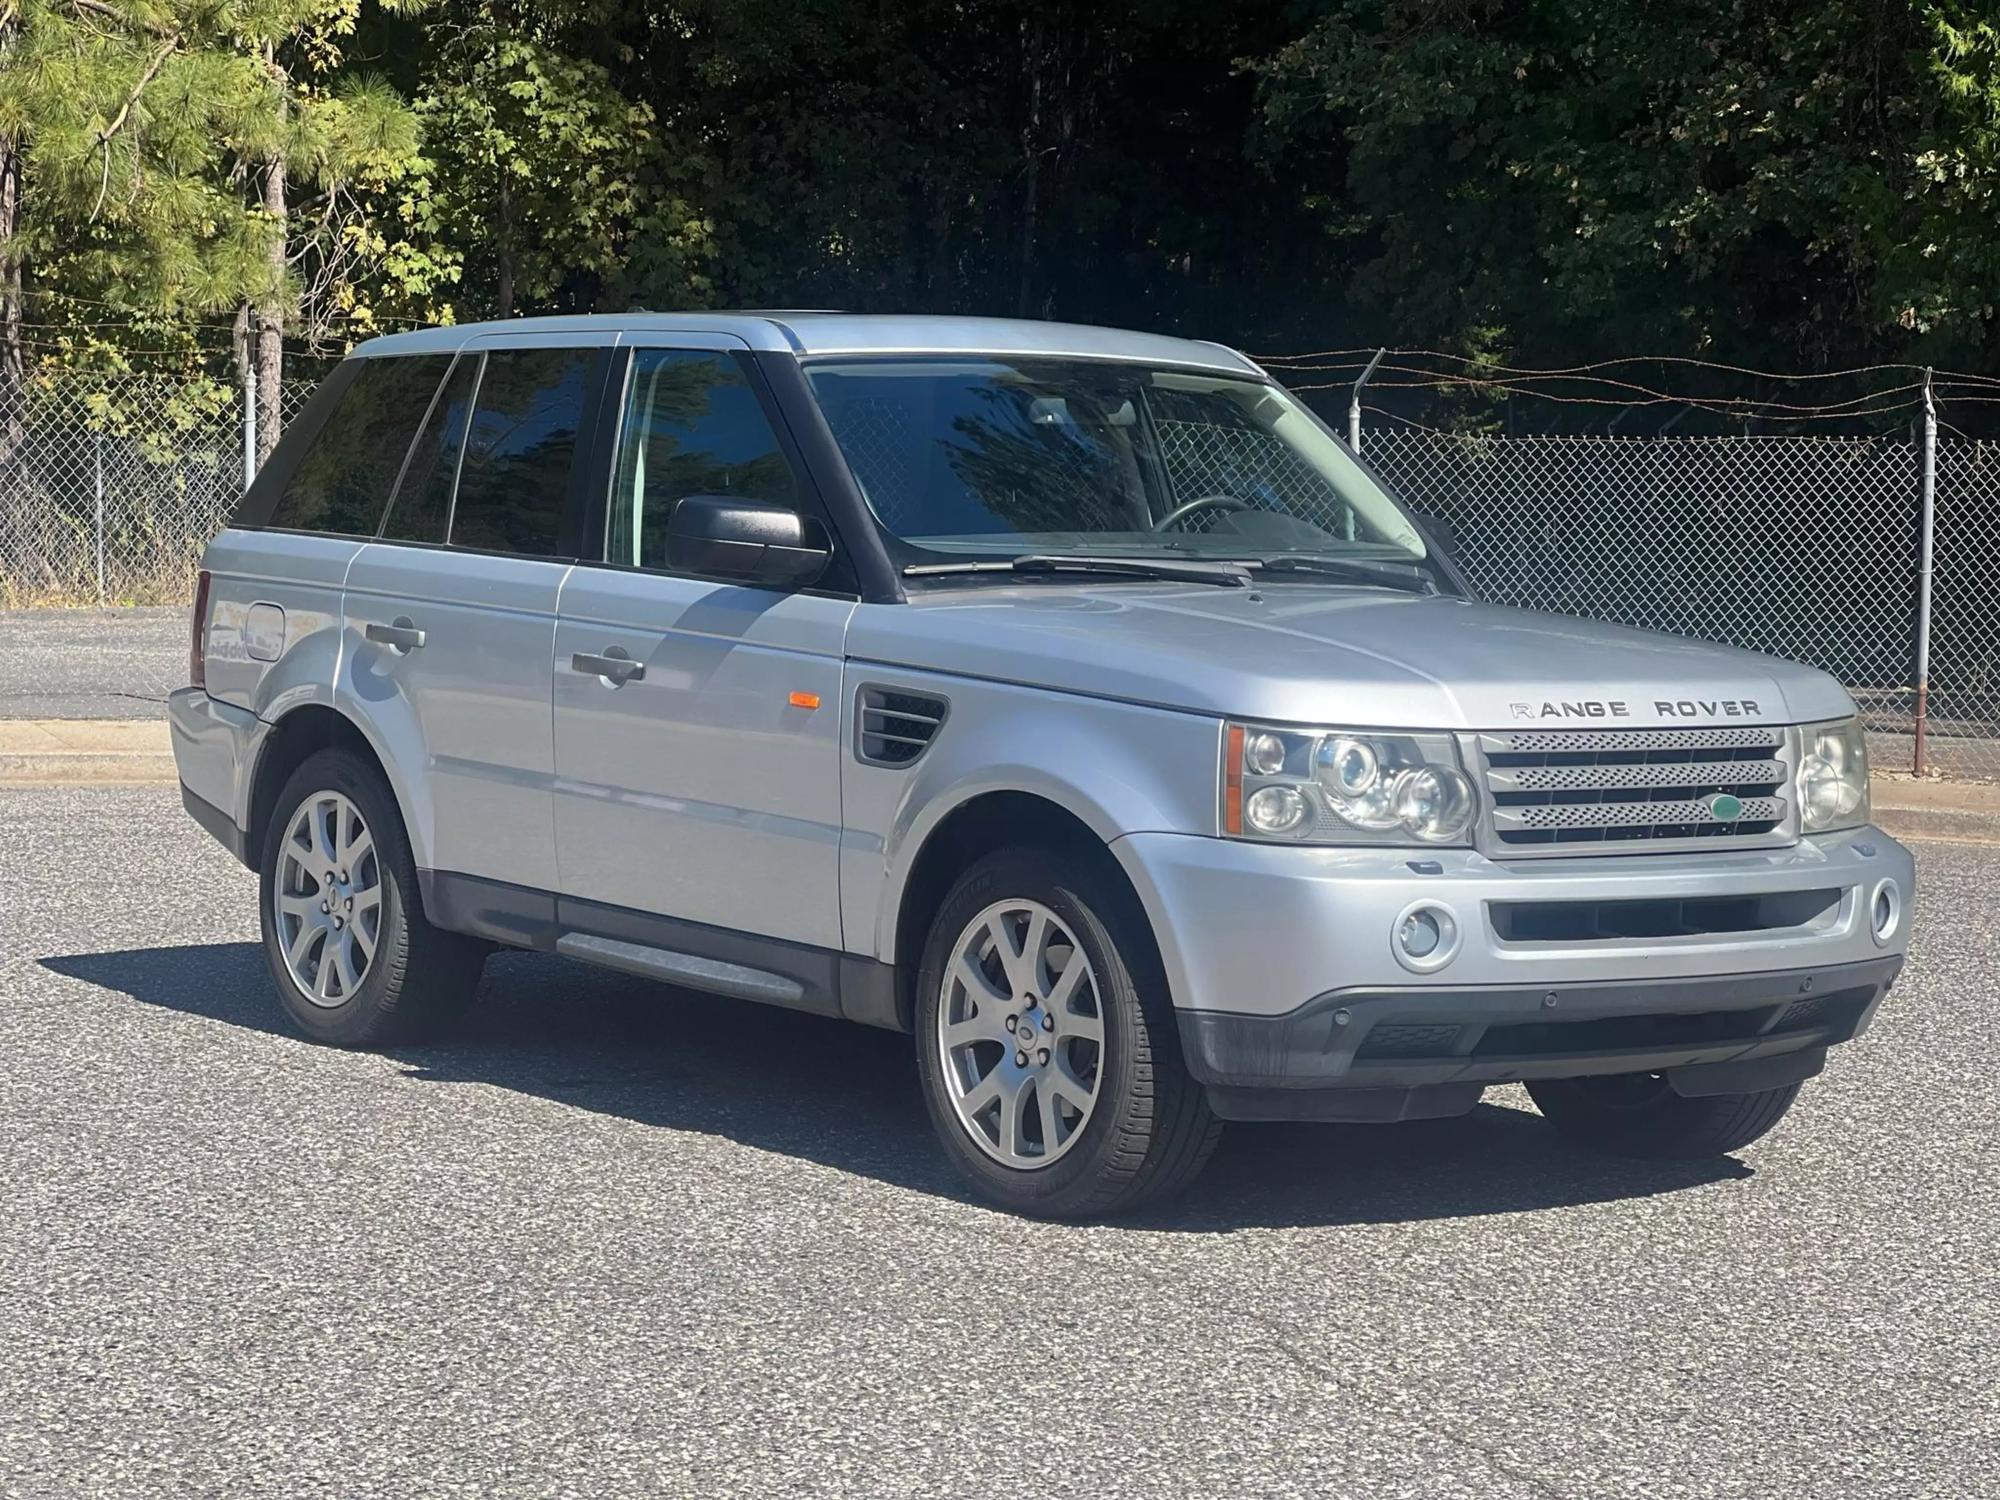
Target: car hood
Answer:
[[1337, 655]]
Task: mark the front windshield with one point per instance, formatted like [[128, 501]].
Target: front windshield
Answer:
[[993, 457]]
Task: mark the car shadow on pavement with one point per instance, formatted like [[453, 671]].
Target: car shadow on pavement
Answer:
[[845, 1096]]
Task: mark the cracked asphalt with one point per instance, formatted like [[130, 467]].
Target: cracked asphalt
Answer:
[[615, 1240], [91, 663]]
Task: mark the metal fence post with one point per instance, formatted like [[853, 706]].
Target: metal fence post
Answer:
[[249, 425], [1354, 406], [1924, 577], [99, 446]]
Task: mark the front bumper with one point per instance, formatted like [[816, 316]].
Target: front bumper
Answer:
[[1293, 1002]]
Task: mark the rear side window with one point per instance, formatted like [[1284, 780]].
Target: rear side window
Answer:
[[692, 426], [422, 507], [342, 483], [513, 481]]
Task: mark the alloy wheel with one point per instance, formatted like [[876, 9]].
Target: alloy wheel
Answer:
[[1020, 1034], [327, 899]]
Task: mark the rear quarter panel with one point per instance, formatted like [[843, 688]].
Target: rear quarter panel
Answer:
[[266, 663]]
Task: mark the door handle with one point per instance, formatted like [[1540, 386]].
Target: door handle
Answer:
[[401, 635], [614, 666]]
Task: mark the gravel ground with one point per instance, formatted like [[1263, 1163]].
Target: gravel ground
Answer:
[[622, 1241], [91, 663]]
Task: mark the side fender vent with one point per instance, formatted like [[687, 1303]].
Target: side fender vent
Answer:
[[893, 727]]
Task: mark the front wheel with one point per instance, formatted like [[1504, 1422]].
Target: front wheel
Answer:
[[1046, 1043], [1639, 1114]]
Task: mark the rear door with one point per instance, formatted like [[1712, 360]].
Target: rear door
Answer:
[[701, 782], [451, 611]]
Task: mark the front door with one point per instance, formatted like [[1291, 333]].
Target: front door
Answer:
[[697, 723]]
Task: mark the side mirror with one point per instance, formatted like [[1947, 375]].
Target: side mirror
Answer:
[[745, 541]]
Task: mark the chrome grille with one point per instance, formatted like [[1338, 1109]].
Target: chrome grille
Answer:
[[1551, 791]]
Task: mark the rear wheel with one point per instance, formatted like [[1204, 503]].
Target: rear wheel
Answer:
[[354, 960], [1639, 1114], [1046, 1043]]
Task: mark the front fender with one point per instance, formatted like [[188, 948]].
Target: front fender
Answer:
[[1116, 767]]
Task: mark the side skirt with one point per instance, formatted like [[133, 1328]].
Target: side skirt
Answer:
[[717, 960]]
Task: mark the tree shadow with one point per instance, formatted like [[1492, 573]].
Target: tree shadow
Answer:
[[845, 1096]]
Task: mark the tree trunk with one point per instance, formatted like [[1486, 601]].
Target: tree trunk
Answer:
[[270, 320], [503, 244], [1031, 152], [13, 357]]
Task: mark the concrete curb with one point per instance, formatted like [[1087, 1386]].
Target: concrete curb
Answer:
[[55, 752]]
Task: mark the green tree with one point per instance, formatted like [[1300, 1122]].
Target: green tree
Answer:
[[1808, 182]]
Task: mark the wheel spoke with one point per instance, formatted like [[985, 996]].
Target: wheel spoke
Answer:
[[978, 1028], [1032, 946], [977, 986], [1080, 1027], [1066, 1085], [1012, 1094], [1051, 1135], [301, 945], [359, 847], [1074, 971], [361, 940], [305, 908], [367, 901], [981, 1094]]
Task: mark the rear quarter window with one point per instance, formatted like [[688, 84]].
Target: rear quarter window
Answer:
[[343, 481]]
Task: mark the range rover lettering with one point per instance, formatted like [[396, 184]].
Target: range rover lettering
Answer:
[[1071, 700]]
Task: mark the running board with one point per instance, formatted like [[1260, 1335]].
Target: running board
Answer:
[[669, 967]]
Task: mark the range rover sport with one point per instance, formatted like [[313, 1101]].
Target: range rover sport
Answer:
[[1072, 700]]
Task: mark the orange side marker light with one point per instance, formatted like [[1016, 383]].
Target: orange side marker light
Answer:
[[805, 700]]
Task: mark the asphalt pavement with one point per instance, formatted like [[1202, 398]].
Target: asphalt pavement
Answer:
[[91, 663], [616, 1240]]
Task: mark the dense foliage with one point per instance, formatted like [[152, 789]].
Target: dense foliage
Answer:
[[1791, 184]]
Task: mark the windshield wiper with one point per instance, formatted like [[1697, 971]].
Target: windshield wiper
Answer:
[[1224, 574], [1395, 575]]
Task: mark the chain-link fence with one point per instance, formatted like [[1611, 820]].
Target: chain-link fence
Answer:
[[1803, 547], [110, 486]]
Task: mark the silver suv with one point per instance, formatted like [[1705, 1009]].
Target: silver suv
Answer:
[[1071, 699]]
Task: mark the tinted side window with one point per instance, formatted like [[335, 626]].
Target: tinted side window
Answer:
[[513, 482], [692, 426], [421, 510], [342, 483]]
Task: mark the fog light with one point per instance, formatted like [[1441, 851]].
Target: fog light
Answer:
[[1425, 938], [1420, 934], [1885, 911]]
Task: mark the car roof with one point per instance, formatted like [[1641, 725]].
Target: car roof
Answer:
[[818, 333]]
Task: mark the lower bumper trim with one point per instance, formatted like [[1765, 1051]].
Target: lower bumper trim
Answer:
[[218, 823], [1363, 1106], [1417, 1035]]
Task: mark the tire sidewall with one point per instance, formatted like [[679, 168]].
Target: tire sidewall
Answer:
[[355, 1019], [1113, 956]]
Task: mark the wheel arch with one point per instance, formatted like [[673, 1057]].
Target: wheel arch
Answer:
[[291, 741], [975, 827]]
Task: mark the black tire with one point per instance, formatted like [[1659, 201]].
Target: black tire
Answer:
[[1639, 1114], [1151, 1130], [419, 977]]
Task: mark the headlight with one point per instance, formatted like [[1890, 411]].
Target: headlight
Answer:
[[1338, 786], [1833, 776]]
